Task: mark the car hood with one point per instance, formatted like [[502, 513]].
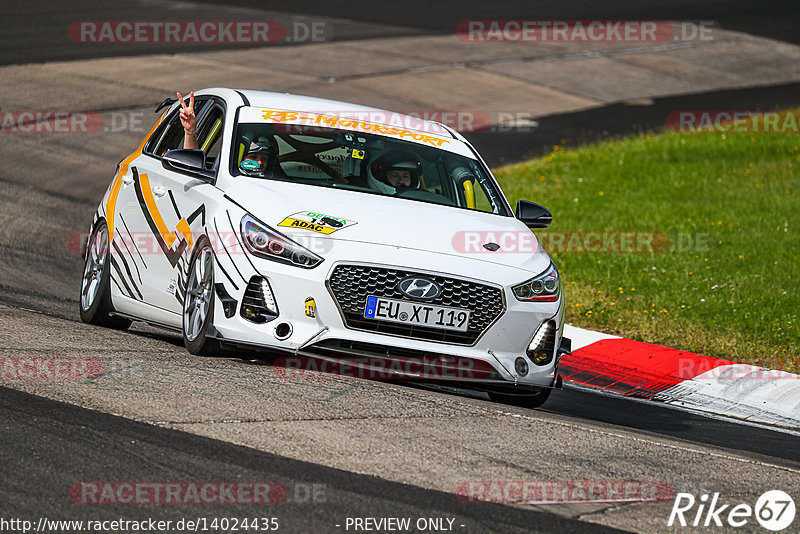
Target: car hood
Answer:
[[389, 221]]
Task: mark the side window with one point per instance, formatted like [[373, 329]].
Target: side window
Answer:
[[170, 136]]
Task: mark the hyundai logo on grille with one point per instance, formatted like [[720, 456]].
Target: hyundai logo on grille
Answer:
[[419, 288]]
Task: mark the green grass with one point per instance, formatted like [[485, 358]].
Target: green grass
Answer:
[[736, 295]]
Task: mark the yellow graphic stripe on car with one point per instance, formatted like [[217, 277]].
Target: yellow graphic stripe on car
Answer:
[[183, 227], [111, 205], [168, 236], [211, 135], [111, 202]]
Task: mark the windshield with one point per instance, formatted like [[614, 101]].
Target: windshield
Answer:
[[358, 161]]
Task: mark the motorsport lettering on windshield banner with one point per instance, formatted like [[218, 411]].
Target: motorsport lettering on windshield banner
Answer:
[[316, 222], [325, 121]]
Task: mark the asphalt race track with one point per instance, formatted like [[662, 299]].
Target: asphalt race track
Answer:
[[371, 449], [106, 446]]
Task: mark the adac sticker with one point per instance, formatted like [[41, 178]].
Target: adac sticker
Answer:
[[316, 222]]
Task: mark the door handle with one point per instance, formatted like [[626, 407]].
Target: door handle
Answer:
[[159, 191], [127, 179]]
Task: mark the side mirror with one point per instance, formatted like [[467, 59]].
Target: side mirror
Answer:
[[189, 162], [533, 215]]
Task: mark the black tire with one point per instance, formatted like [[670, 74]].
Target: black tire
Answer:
[[524, 401], [94, 299], [200, 296]]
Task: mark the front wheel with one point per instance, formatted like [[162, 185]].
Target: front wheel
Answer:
[[95, 297], [198, 303], [524, 401]]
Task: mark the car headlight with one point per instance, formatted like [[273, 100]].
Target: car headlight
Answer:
[[543, 288], [265, 242]]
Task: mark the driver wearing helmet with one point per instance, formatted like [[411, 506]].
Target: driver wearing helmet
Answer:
[[260, 154], [395, 171]]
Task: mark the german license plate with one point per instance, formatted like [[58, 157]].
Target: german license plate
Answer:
[[416, 313]]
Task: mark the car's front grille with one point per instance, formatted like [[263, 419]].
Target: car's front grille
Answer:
[[350, 285]]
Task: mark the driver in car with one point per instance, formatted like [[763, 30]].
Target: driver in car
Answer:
[[395, 171], [260, 157]]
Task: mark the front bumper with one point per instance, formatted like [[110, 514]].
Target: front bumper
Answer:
[[489, 359]]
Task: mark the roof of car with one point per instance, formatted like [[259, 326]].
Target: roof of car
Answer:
[[290, 102]]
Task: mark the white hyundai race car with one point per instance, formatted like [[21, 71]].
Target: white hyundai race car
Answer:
[[332, 233]]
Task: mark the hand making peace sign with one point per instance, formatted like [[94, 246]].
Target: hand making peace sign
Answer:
[[189, 121]]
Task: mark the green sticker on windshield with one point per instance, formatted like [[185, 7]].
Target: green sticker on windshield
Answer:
[[249, 165]]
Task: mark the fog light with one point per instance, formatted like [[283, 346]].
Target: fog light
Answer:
[[258, 301], [542, 346], [521, 366]]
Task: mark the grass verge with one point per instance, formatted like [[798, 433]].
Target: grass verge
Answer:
[[721, 275]]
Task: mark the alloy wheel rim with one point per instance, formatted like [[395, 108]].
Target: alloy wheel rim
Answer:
[[198, 296], [93, 268]]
